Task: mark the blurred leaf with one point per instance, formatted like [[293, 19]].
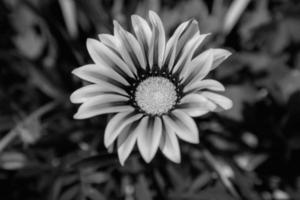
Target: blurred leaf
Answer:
[[250, 139], [142, 189], [200, 181], [240, 95], [97, 161], [214, 192], [95, 177], [221, 143], [254, 19], [30, 40], [29, 129], [249, 162], [67, 182], [233, 14], [71, 193], [42, 82], [97, 14], [289, 83], [12, 160], [224, 172], [93, 194], [183, 11], [70, 16], [6, 123], [177, 179], [26, 23]]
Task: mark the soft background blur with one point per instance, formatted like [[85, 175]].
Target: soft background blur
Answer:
[[251, 152]]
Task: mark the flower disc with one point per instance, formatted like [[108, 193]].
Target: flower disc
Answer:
[[156, 95]]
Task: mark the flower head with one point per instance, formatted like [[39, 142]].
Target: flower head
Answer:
[[152, 86]]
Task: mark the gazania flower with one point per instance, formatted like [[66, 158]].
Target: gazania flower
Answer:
[[152, 86]]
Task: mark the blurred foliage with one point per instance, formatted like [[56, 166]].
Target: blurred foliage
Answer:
[[250, 152]]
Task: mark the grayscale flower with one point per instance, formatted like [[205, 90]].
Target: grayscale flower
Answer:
[[152, 86]]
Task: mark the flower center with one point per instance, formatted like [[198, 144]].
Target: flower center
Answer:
[[156, 95]]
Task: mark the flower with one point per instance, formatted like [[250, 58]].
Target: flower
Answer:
[[152, 86]]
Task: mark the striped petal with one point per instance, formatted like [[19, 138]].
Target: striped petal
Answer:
[[99, 74], [103, 104], [219, 56], [169, 144], [126, 141], [110, 41], [218, 99], [171, 47], [183, 125], [83, 94], [158, 41], [196, 105], [103, 55], [143, 32], [149, 137], [190, 31], [130, 48], [188, 52], [117, 124], [198, 68], [209, 84]]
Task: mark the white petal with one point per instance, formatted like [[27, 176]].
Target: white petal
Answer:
[[171, 47], [142, 31], [209, 84], [130, 49], [116, 125], [183, 125], [122, 49], [99, 74], [148, 140], [126, 141], [103, 104], [169, 144], [191, 30], [83, 94], [220, 100], [133, 55], [196, 105], [109, 40], [103, 55], [188, 52], [158, 41], [199, 67], [219, 56]]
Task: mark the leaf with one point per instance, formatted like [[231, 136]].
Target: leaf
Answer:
[[64, 182], [69, 13], [240, 95], [29, 129], [177, 179], [28, 41], [95, 177], [92, 193], [224, 172], [250, 162], [142, 189], [233, 14], [70, 193], [97, 161], [199, 182], [252, 20], [289, 84], [12, 160]]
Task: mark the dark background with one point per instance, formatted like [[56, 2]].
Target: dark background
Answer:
[[250, 152]]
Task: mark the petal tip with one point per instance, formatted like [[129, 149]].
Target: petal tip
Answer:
[[77, 116]]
